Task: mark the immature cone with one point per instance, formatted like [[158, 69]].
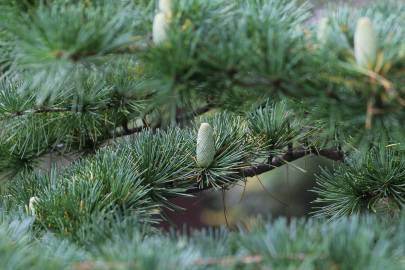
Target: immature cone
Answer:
[[160, 25], [161, 21], [365, 43], [165, 6], [31, 204], [323, 30], [205, 145]]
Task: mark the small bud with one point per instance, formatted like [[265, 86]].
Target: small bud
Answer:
[[160, 25], [323, 30], [205, 145], [31, 205], [365, 43], [165, 6]]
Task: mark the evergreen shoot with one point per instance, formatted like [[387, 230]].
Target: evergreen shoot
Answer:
[[111, 110]]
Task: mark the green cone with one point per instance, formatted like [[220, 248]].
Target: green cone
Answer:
[[165, 6], [365, 43], [323, 30], [160, 25], [205, 145], [31, 205]]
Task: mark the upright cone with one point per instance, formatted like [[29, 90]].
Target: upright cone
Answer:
[[323, 30], [161, 21], [165, 6], [31, 205], [160, 26], [205, 145], [365, 43]]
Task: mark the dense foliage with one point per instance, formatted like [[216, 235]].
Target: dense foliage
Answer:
[[350, 243], [101, 104]]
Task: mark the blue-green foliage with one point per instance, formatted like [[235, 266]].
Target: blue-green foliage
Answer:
[[78, 75], [350, 243]]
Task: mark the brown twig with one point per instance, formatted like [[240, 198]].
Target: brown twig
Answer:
[[226, 261], [291, 155], [127, 131], [57, 110], [250, 259], [42, 110], [331, 154], [197, 112]]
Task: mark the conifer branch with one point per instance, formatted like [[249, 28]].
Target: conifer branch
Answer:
[[292, 155], [197, 112], [57, 110], [39, 111]]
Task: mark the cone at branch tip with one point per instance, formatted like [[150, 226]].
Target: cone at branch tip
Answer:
[[31, 205], [160, 27], [165, 6], [323, 30], [205, 145], [365, 43]]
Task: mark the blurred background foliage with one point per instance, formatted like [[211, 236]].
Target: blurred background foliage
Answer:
[[285, 191]]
